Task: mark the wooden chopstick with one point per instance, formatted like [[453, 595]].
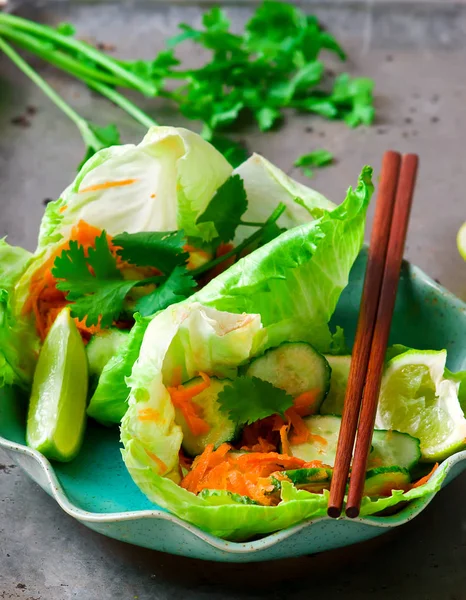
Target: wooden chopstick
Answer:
[[365, 328], [391, 275]]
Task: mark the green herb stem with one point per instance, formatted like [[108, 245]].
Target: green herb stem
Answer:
[[251, 224], [247, 242], [121, 101], [57, 57], [46, 88], [44, 31]]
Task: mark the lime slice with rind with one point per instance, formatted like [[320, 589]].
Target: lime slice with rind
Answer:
[[57, 407], [461, 240], [416, 399]]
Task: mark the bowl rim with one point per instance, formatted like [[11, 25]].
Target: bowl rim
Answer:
[[406, 514], [55, 488]]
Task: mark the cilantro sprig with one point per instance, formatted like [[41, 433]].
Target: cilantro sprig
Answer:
[[249, 399], [94, 283], [316, 158]]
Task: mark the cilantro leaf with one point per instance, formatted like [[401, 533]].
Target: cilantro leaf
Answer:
[[317, 158], [353, 98], [249, 399], [163, 250], [93, 284], [177, 287], [226, 208]]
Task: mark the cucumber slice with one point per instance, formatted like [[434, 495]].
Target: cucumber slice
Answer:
[[394, 448], [322, 446], [102, 347], [295, 367], [389, 448], [311, 480], [333, 403], [222, 429], [381, 481]]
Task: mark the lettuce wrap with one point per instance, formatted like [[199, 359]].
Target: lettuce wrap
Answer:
[[285, 291]]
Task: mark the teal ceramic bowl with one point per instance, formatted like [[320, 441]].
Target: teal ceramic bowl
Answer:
[[96, 489]]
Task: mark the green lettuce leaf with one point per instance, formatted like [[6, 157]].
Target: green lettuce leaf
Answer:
[[17, 336], [162, 184], [18, 343], [108, 403], [295, 280], [266, 186], [188, 338], [13, 262]]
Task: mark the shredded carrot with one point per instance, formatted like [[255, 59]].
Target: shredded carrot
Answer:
[[247, 474], [304, 404], [300, 433], [193, 478], [106, 185], [62, 209], [284, 440], [161, 465], [426, 478], [45, 301], [262, 446], [149, 414], [182, 398]]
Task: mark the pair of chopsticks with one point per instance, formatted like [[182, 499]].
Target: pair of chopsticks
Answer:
[[385, 256]]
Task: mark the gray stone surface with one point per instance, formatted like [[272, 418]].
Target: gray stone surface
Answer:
[[416, 52]]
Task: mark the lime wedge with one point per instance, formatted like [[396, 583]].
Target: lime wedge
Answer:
[[57, 408], [461, 240], [416, 399]]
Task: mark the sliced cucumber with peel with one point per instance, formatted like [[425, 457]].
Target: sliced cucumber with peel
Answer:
[[333, 403], [389, 448], [322, 446], [383, 480], [295, 367], [222, 428], [102, 347]]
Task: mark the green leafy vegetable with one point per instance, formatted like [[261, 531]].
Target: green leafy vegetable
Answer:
[[163, 250], [226, 208], [93, 283], [177, 287], [294, 281], [317, 158], [249, 399], [272, 65]]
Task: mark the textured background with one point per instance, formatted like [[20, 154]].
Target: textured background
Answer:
[[416, 52]]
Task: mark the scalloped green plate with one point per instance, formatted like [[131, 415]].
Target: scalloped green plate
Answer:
[[97, 490]]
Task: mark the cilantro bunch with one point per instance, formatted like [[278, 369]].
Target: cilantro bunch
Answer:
[[273, 65]]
